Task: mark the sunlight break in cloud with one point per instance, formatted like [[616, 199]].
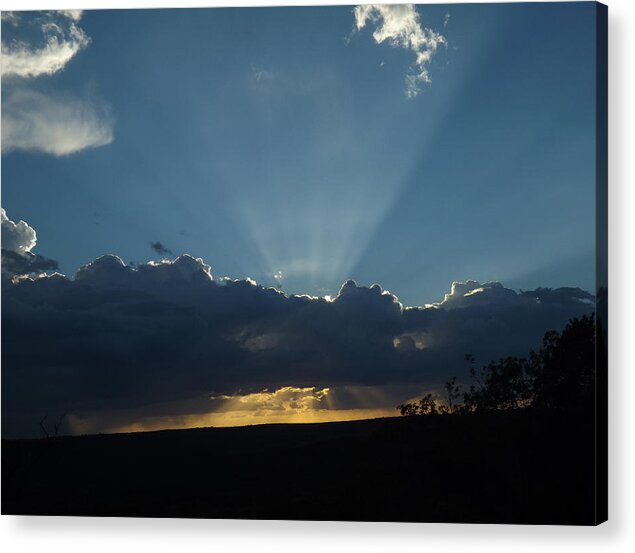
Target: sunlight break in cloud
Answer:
[[53, 125], [400, 26], [287, 398], [286, 405], [63, 39]]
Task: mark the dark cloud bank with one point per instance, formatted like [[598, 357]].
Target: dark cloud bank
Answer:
[[122, 337]]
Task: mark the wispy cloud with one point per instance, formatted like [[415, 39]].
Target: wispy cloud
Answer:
[[260, 74], [74, 15], [62, 40], [54, 125], [10, 17], [400, 26]]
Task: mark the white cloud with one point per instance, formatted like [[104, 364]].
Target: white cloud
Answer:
[[75, 15], [400, 26], [53, 125], [17, 237], [18, 261], [63, 39]]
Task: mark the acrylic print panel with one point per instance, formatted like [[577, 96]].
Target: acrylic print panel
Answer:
[[342, 263]]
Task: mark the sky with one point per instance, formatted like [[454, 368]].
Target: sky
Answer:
[[162, 170], [283, 142]]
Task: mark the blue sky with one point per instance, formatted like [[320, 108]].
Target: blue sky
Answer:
[[283, 140]]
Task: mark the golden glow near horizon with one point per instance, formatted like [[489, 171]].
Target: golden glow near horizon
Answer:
[[285, 405], [236, 419]]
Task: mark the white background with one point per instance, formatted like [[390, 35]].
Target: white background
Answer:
[[50, 534]]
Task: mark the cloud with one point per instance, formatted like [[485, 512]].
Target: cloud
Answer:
[[41, 44], [115, 343], [473, 293], [109, 271], [559, 294], [11, 18], [18, 239], [74, 15], [288, 398], [400, 26], [260, 75], [494, 295], [57, 125], [160, 248], [15, 264], [62, 40]]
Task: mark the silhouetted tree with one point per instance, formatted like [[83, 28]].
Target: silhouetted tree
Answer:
[[502, 385], [563, 371], [424, 406], [560, 376], [453, 391]]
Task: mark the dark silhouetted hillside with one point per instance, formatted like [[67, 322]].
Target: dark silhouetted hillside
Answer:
[[509, 467]]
